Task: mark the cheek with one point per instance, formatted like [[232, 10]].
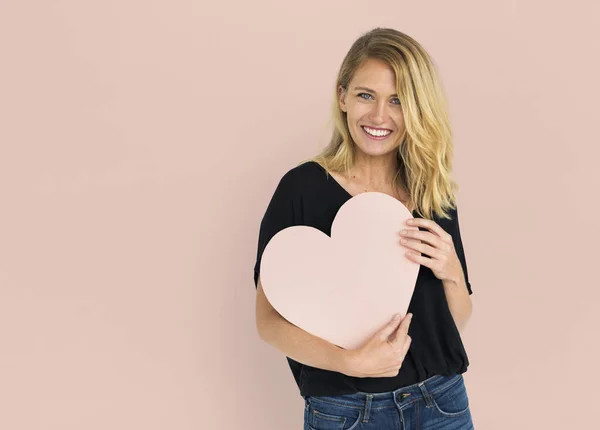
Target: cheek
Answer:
[[399, 119], [357, 113]]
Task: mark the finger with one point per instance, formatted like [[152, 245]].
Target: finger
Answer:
[[403, 350], [399, 339], [403, 328], [406, 346], [421, 236], [400, 356], [432, 226], [390, 328], [426, 243], [399, 336], [424, 248], [390, 371]]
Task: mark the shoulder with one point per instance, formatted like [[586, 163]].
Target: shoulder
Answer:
[[301, 178], [448, 224], [288, 203], [453, 224]]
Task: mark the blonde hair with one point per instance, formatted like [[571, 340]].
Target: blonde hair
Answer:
[[425, 151]]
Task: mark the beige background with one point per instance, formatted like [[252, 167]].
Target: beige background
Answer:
[[140, 142]]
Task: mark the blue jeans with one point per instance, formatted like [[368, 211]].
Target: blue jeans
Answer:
[[439, 403]]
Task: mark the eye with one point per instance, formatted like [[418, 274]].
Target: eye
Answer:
[[369, 95]]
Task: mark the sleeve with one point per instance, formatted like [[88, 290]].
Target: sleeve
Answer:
[[458, 245], [281, 213]]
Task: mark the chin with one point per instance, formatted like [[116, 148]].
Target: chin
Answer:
[[372, 149], [376, 152]]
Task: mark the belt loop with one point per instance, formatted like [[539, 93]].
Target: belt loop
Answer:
[[367, 411], [426, 394], [402, 419]]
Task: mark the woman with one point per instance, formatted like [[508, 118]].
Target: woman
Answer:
[[391, 135]]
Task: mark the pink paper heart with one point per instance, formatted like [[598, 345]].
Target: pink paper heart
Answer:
[[345, 288]]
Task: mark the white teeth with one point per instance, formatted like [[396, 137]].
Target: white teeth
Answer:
[[379, 133]]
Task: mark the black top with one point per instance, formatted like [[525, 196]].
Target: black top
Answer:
[[306, 196]]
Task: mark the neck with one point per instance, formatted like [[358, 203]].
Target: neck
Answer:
[[374, 172]]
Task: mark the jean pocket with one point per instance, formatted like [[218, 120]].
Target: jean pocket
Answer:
[[453, 400], [325, 414]]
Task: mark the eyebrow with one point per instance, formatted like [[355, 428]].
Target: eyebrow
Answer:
[[370, 90]]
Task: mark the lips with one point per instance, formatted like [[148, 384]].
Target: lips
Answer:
[[370, 136], [376, 128]]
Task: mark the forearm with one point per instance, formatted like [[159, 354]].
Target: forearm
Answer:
[[459, 301], [302, 346]]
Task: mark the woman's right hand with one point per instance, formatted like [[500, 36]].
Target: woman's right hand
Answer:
[[382, 355]]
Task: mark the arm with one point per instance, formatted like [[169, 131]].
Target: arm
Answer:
[[457, 288], [459, 301], [295, 342], [446, 260]]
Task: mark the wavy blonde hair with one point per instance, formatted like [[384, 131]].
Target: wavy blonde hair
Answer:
[[425, 151]]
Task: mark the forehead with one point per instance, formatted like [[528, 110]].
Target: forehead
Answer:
[[375, 75]]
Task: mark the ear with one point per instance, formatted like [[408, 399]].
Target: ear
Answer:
[[342, 98]]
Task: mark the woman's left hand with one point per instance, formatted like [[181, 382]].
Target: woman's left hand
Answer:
[[437, 244]]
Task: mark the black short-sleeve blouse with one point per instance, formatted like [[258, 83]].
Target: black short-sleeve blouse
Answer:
[[305, 195]]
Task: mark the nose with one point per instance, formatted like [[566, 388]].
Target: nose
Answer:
[[379, 112]]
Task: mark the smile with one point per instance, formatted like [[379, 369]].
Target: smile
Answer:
[[376, 134]]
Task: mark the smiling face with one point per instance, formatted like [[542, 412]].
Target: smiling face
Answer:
[[374, 113]]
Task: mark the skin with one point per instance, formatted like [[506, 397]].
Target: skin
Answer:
[[374, 169], [375, 166], [443, 262], [375, 163]]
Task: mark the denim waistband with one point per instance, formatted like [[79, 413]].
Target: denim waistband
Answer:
[[400, 397]]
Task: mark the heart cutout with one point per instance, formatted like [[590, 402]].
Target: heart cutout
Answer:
[[346, 287]]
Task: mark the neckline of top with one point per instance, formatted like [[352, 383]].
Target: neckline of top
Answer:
[[339, 186]]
